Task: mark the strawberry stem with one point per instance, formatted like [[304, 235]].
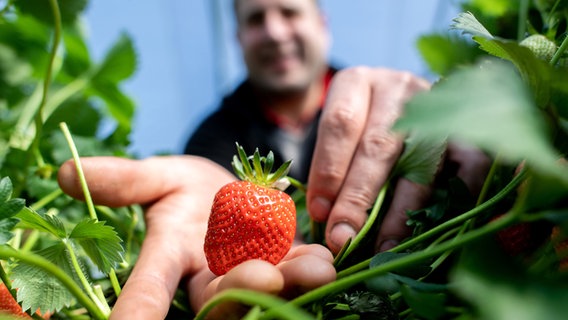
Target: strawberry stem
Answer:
[[281, 309], [366, 227], [510, 187], [101, 304], [402, 262], [559, 52]]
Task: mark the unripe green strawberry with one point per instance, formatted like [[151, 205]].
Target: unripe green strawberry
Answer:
[[540, 45], [250, 219]]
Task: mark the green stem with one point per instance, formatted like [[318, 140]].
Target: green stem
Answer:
[[488, 180], [513, 184], [559, 52], [41, 203], [59, 96], [79, 168], [253, 298], [297, 184], [102, 305], [42, 263], [87, 195], [47, 80], [367, 226], [522, 22], [403, 262], [114, 282]]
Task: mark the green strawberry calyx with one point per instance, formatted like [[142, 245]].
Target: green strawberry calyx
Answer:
[[257, 169]]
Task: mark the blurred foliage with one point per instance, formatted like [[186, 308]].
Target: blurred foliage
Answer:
[[48, 77]]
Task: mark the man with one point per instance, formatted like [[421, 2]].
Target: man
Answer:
[[284, 44]]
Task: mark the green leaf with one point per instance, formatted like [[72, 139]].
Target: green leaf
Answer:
[[495, 7], [488, 106], [544, 192], [77, 59], [5, 189], [534, 71], [468, 24], [82, 118], [444, 53], [101, 243], [118, 104], [6, 227], [38, 288], [383, 284], [11, 207], [425, 304], [415, 271], [33, 220], [498, 288], [420, 159], [41, 9], [120, 62]]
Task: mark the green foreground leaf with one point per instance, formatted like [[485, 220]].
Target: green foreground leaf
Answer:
[[486, 105]]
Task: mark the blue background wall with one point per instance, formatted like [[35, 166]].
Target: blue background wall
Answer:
[[188, 54]]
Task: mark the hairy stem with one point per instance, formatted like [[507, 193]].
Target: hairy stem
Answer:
[[102, 305]]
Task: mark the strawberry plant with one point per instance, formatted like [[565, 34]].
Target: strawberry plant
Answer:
[[499, 254], [58, 256], [503, 88]]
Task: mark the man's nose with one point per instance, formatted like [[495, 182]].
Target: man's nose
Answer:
[[276, 26]]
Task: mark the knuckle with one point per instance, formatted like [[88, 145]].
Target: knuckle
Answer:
[[378, 145], [360, 197], [328, 175], [355, 72], [341, 119]]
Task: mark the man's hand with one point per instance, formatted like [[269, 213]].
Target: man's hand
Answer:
[[356, 151], [177, 193]]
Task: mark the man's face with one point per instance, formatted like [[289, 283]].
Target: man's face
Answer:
[[284, 42]]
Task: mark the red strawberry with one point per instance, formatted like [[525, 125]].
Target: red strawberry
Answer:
[[560, 242], [251, 218], [522, 238], [515, 239], [8, 304]]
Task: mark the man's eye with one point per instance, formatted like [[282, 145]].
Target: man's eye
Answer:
[[289, 13], [255, 19]]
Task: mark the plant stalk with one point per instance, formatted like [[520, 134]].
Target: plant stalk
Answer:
[[511, 186], [281, 309], [405, 261]]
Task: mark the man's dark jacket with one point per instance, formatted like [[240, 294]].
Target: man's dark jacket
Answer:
[[241, 119]]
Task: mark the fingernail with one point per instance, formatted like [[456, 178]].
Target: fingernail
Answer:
[[319, 208], [340, 233], [387, 245]]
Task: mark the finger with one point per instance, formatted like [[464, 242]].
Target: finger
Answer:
[[472, 165], [256, 275], [306, 272], [167, 254], [311, 249], [149, 289], [377, 152], [339, 130], [407, 196], [116, 181]]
